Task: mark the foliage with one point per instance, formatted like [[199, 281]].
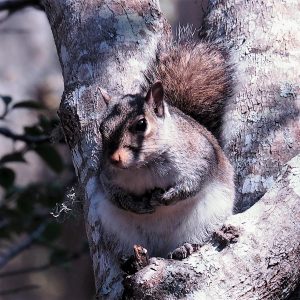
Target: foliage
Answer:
[[27, 212]]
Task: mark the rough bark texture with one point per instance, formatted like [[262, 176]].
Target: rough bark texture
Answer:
[[108, 44], [261, 128]]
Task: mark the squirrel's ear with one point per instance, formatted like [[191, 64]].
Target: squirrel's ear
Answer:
[[105, 95], [155, 97]]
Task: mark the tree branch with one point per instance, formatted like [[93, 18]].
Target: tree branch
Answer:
[[23, 245], [24, 137], [18, 289], [263, 264], [74, 256], [14, 5]]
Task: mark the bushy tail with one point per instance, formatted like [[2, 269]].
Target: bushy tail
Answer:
[[197, 77]]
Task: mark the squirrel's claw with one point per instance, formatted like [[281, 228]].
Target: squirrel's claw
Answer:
[[160, 197], [184, 251], [169, 197], [156, 197]]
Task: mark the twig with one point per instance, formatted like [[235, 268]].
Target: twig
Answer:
[[24, 137], [19, 289], [72, 257], [4, 113], [23, 245], [14, 5]]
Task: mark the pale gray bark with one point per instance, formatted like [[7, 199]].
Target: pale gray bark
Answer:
[[108, 44], [104, 44], [261, 127]]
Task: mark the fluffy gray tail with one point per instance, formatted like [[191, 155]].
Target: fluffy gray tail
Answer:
[[196, 75]]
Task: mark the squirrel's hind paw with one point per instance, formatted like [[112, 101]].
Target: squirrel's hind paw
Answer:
[[183, 251], [228, 234]]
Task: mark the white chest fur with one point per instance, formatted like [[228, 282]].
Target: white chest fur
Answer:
[[190, 220]]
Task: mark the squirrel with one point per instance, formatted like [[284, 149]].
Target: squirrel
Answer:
[[165, 178]]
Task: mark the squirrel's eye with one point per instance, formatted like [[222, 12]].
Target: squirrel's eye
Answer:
[[141, 125]]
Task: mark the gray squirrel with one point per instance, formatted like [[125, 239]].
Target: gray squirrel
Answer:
[[165, 178]]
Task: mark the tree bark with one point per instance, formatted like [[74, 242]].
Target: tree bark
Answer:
[[108, 44], [104, 44], [261, 127]]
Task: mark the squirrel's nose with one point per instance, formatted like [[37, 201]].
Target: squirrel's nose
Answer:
[[116, 158], [119, 158]]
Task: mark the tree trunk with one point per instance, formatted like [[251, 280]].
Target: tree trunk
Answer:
[[108, 44], [100, 44], [261, 127]]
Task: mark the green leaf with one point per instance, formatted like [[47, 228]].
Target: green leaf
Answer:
[[4, 233], [26, 200], [58, 256], [51, 157], [45, 123], [14, 157], [48, 124], [53, 194], [11, 191], [7, 177], [6, 99], [33, 130], [52, 232], [28, 104]]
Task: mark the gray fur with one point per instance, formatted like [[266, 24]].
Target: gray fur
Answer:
[[173, 164]]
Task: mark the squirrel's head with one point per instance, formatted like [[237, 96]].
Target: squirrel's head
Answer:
[[133, 128]]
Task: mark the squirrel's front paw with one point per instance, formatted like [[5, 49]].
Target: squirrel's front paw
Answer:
[[138, 205], [143, 206], [143, 210], [169, 197], [156, 197], [160, 197]]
